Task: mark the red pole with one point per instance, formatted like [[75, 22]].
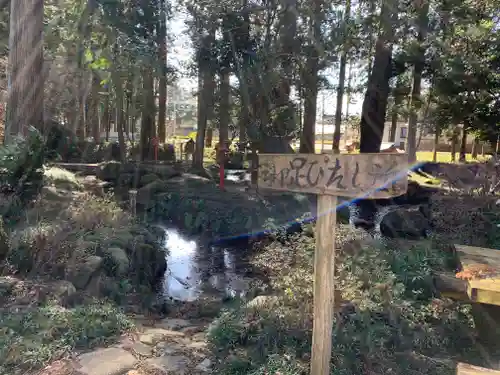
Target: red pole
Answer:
[[221, 176]]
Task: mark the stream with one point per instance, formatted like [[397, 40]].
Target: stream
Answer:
[[195, 270]]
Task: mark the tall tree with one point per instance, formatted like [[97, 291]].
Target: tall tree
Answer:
[[162, 90], [342, 74], [26, 67], [422, 9], [377, 92]]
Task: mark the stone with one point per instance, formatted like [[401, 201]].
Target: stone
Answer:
[[81, 274], [62, 289], [148, 178], [192, 330], [109, 171], [141, 349], [119, 259], [197, 345], [110, 361], [204, 365], [152, 336], [51, 193], [173, 324], [171, 364], [147, 192], [262, 301], [405, 223], [7, 284], [168, 348], [94, 185], [63, 367]]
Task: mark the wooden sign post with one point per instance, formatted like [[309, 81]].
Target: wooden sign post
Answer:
[[367, 176]]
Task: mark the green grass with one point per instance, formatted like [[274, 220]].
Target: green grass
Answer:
[[444, 157], [30, 339]]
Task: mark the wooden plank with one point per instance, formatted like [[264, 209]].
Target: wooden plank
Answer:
[[485, 290], [478, 255], [363, 175], [448, 285], [324, 287], [466, 369]]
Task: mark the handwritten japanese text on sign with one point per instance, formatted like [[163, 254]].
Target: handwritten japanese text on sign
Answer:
[[373, 175]]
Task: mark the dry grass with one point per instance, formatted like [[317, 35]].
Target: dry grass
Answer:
[[62, 178], [55, 237]]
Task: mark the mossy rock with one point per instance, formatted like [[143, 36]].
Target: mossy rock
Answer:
[[147, 263], [148, 178], [116, 262]]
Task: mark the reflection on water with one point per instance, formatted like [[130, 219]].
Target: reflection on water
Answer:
[[194, 269]]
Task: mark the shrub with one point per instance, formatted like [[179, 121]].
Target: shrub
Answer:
[[31, 338], [387, 321], [60, 238], [20, 163]]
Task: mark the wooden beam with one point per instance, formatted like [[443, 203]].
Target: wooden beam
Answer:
[[369, 176], [466, 369], [324, 285], [449, 286]]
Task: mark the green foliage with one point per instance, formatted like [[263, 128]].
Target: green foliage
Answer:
[[21, 171], [60, 235], [391, 322], [32, 338]]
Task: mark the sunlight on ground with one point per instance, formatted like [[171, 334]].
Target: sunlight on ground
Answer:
[[445, 157]]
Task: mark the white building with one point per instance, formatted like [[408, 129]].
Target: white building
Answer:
[[401, 135]]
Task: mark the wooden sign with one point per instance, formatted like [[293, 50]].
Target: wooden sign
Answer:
[[370, 175], [358, 176]]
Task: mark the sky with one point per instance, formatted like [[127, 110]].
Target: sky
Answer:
[[181, 53]]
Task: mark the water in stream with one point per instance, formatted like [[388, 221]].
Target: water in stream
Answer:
[[194, 270]]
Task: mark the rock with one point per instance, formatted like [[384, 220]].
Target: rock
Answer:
[[145, 193], [173, 324], [166, 172], [62, 367], [197, 345], [94, 185], [148, 178], [109, 171], [51, 193], [7, 284], [204, 365], [171, 364], [125, 179], [405, 223], [119, 259], [152, 336], [168, 348], [147, 263], [81, 274], [141, 349], [62, 289], [110, 361], [262, 301]]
